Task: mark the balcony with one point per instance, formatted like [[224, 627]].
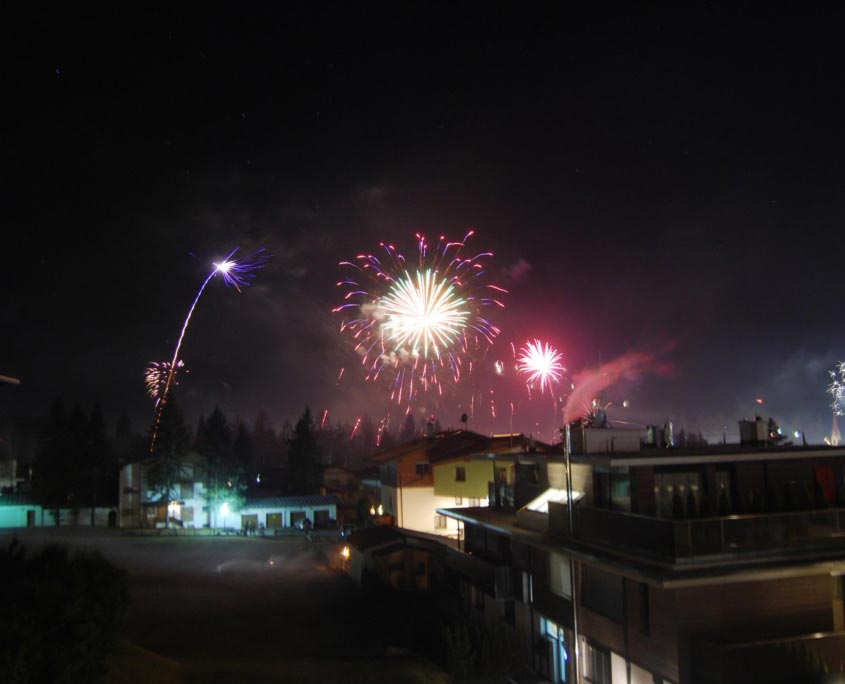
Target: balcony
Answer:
[[807, 658], [696, 538]]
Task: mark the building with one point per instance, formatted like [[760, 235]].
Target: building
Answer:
[[717, 565], [278, 512], [139, 506], [19, 510], [450, 469]]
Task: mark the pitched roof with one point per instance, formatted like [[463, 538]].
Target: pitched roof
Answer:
[[17, 500], [293, 501], [455, 444]]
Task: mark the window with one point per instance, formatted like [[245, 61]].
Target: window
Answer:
[[460, 474], [645, 610], [560, 577], [510, 614], [459, 501], [423, 468], [601, 592], [477, 598], [439, 522], [596, 664]]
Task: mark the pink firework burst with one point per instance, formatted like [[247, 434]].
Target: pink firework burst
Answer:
[[540, 362]]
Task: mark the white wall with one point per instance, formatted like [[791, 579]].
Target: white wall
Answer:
[[15, 516]]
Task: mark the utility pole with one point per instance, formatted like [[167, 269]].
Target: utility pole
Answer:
[[567, 448]]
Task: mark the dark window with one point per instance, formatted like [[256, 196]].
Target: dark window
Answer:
[[602, 592], [645, 609], [510, 616], [460, 474], [423, 468]]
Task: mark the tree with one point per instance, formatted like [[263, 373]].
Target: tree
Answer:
[[53, 465], [167, 462], [408, 429], [61, 615], [97, 457], [242, 448], [304, 457], [265, 443], [225, 478]]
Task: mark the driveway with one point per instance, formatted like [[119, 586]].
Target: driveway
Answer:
[[234, 609]]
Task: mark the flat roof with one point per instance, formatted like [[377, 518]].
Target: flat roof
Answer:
[[720, 454]]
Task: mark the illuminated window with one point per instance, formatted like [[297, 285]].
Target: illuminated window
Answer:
[[460, 474], [560, 578], [440, 522], [459, 501], [596, 664]]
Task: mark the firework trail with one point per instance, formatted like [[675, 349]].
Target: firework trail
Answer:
[[419, 318], [235, 273], [836, 389], [589, 384], [540, 362], [323, 415], [156, 377], [355, 428]]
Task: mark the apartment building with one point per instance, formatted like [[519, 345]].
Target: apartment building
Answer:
[[714, 565]]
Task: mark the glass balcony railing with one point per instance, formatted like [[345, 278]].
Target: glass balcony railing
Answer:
[[691, 538]]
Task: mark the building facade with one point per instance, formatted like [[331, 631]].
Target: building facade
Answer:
[[650, 581]]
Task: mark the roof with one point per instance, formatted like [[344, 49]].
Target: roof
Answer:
[[17, 500], [457, 444], [293, 501], [731, 453]]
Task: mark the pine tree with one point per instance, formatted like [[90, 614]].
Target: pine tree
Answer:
[[167, 463], [408, 430], [304, 457]]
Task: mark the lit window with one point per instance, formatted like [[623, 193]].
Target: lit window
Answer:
[[440, 522], [459, 501]]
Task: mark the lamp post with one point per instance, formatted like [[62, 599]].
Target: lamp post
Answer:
[[567, 448]]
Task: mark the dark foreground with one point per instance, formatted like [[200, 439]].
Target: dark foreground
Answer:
[[242, 610]]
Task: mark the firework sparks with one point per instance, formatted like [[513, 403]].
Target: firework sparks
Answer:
[[355, 428], [540, 362], [836, 389], [236, 273], [156, 377], [418, 319]]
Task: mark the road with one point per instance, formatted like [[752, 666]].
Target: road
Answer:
[[234, 609]]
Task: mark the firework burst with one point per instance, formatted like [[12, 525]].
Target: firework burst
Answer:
[[836, 389], [235, 273], [540, 362], [415, 320], [156, 377]]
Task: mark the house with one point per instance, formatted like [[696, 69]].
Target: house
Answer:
[[647, 580], [19, 510], [450, 469], [139, 506], [346, 486], [401, 559]]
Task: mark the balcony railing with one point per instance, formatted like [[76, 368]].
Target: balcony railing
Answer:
[[807, 658], [691, 538]]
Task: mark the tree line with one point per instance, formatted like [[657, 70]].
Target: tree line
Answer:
[[78, 459]]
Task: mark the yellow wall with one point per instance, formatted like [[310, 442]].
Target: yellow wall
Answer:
[[478, 474]]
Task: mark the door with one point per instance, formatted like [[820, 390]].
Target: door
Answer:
[[274, 521]]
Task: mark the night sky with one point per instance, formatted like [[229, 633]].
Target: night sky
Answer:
[[666, 181]]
